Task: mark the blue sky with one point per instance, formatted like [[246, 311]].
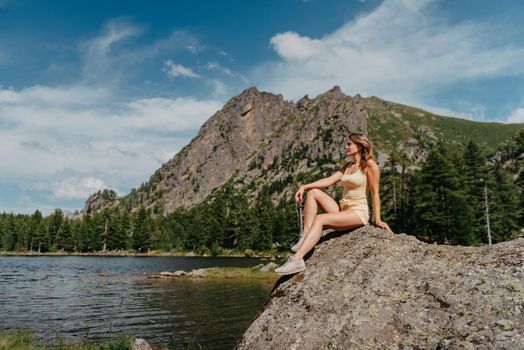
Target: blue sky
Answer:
[[98, 94]]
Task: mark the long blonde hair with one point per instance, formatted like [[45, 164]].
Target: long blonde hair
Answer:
[[365, 148]]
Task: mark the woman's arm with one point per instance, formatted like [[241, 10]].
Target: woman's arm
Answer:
[[322, 183], [325, 182], [373, 176]]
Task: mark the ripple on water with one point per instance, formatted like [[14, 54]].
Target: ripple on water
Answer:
[[100, 297]]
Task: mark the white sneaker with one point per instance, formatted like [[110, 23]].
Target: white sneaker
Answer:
[[291, 266], [297, 245]]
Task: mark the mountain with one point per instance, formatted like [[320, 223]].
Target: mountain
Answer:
[[370, 289], [262, 142]]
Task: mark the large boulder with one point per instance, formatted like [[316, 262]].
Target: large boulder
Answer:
[[370, 289]]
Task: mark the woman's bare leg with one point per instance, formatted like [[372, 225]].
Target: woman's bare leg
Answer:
[[314, 199], [340, 220]]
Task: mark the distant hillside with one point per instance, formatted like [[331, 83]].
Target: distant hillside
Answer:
[[394, 127], [262, 142]]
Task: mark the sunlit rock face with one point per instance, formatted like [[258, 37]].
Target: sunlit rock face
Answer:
[[257, 138], [369, 289]]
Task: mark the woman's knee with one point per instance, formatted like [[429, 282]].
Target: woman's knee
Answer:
[[314, 193], [320, 219]]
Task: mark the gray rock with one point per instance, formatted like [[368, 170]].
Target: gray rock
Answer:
[[370, 289], [200, 272], [167, 274], [141, 344], [258, 267], [269, 267]]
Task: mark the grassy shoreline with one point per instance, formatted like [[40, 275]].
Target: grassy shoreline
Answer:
[[25, 340]]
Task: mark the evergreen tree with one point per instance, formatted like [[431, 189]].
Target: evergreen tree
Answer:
[[520, 184], [504, 205], [233, 218], [55, 222], [96, 232], [265, 212], [9, 233], [126, 229], [441, 204], [474, 177], [140, 234], [39, 230], [286, 226], [153, 239], [116, 236], [65, 236], [25, 233]]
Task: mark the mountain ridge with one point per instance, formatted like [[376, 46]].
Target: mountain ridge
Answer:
[[258, 140]]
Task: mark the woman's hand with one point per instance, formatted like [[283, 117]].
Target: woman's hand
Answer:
[[383, 225], [299, 195]]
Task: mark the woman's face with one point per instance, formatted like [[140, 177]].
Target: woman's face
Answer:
[[351, 148]]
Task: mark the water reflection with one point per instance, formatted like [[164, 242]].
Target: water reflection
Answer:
[[102, 297]]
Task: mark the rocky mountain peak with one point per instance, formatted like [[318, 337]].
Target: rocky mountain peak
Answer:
[[261, 142], [257, 137]]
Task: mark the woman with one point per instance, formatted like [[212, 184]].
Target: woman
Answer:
[[357, 177]]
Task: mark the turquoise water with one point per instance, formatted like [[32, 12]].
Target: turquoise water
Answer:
[[103, 297]]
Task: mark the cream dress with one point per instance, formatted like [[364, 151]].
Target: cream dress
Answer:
[[354, 197]]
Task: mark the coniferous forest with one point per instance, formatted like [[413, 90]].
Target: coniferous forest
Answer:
[[442, 200]]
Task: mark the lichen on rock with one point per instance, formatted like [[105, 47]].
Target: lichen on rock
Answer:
[[370, 289]]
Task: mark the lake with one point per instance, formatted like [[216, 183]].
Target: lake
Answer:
[[103, 297]]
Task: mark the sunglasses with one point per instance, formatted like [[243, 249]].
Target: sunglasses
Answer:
[[356, 134]]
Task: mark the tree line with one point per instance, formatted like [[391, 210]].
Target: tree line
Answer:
[[443, 201], [225, 221], [451, 196]]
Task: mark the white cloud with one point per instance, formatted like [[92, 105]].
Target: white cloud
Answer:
[[76, 188], [293, 47], [163, 114], [73, 140], [100, 55], [403, 50], [177, 70], [219, 88], [223, 70], [517, 116]]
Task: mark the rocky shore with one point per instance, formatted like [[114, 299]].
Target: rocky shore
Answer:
[[259, 271], [370, 289]]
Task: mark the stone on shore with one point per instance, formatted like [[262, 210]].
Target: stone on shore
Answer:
[[141, 344]]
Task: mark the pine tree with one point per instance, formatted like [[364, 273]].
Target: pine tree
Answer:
[[126, 229], [520, 184], [39, 232], [286, 226], [265, 212], [440, 203], [94, 229], [65, 236], [140, 234], [9, 233], [474, 177], [504, 206], [55, 222], [116, 236]]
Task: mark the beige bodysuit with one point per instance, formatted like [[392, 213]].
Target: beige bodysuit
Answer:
[[354, 197]]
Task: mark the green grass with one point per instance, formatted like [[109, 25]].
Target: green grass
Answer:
[[24, 340], [239, 272]]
